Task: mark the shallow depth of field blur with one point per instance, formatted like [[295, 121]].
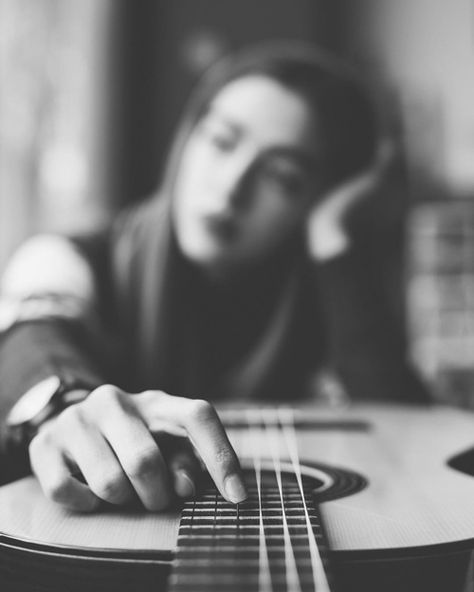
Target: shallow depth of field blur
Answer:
[[90, 91]]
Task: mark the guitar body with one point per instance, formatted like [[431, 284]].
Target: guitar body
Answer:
[[394, 486]]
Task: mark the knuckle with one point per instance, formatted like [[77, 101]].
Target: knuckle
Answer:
[[143, 464], [111, 488], [38, 441], [34, 449], [152, 394], [45, 437], [71, 414], [68, 421], [104, 395], [201, 411]]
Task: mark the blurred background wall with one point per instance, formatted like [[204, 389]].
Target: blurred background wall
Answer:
[[90, 92]]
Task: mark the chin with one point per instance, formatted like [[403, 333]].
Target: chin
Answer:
[[204, 253]]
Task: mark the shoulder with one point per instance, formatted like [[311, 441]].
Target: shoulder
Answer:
[[47, 263], [46, 277]]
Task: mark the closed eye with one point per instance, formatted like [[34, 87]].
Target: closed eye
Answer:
[[218, 135], [287, 176]]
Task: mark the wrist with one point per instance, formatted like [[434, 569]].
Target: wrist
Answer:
[[73, 397]]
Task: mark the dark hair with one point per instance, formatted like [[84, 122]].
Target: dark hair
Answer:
[[343, 107]]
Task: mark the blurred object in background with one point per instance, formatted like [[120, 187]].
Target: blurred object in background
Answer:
[[432, 63], [422, 52], [51, 108], [440, 296]]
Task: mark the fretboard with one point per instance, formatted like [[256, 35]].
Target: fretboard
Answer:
[[273, 542]]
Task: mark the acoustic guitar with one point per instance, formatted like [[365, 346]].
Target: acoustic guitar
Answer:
[[361, 498]]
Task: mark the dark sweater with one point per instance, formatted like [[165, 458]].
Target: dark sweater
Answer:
[[338, 323]]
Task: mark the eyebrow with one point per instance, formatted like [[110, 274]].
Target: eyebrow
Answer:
[[234, 126], [304, 158]]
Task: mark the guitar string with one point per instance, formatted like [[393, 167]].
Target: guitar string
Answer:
[[264, 576], [291, 570], [214, 522], [286, 420]]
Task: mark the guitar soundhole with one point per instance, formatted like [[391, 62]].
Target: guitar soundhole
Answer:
[[463, 462], [325, 482]]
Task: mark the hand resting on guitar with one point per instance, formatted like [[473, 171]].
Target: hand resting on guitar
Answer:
[[108, 439]]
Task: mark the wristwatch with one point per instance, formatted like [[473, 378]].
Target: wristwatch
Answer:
[[41, 402]]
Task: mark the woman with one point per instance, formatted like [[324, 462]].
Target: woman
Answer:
[[206, 290]]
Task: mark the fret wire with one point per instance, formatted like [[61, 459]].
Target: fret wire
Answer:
[[270, 524], [277, 547], [286, 418], [293, 512], [227, 546], [272, 541], [292, 576], [249, 530], [229, 562]]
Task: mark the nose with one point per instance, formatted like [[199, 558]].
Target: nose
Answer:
[[231, 185]]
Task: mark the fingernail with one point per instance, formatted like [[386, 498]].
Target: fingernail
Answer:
[[183, 484], [235, 489]]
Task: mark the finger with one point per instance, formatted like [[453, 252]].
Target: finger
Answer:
[[97, 462], [54, 475], [207, 434], [185, 470], [137, 452]]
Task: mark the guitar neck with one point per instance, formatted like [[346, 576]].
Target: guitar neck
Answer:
[[274, 541]]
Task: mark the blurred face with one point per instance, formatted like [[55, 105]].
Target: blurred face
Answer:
[[246, 176]]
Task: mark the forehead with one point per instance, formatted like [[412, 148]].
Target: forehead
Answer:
[[272, 113]]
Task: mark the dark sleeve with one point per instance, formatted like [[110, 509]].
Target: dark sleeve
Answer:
[[367, 347], [30, 352], [33, 350]]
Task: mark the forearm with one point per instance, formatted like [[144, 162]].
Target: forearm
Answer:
[[32, 351], [29, 353], [48, 321]]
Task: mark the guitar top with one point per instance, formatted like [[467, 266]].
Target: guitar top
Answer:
[[399, 490]]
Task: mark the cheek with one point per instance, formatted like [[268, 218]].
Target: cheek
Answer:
[[190, 179], [274, 221], [188, 172]]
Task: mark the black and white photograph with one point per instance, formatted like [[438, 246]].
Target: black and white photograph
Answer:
[[237, 296]]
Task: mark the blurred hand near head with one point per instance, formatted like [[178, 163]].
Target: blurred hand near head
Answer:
[[108, 448], [329, 232]]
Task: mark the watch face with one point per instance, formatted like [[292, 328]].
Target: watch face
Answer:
[[34, 401]]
